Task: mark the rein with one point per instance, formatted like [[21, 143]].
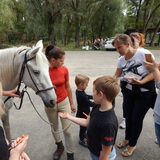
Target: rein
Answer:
[[24, 65], [56, 132]]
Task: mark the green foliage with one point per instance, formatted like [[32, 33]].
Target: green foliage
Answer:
[[7, 16], [145, 9], [41, 16], [107, 17], [73, 21]]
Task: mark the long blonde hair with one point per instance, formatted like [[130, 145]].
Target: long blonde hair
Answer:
[[1, 102]]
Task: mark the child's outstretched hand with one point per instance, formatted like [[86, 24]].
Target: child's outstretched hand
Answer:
[[64, 115]]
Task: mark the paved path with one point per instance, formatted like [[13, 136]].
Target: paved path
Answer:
[[41, 144]]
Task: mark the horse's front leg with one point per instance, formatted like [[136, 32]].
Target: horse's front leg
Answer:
[[5, 119], [6, 124]]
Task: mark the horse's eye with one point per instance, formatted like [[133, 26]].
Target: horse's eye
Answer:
[[36, 72]]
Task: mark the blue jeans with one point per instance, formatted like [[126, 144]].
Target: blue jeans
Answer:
[[112, 155], [157, 131]]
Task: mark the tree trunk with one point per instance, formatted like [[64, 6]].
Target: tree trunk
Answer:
[[154, 34], [158, 39], [101, 27], [145, 17], [137, 16], [51, 27], [1, 45], [77, 45], [66, 37], [152, 13]]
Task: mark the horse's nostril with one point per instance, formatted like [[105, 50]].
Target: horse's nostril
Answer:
[[52, 102]]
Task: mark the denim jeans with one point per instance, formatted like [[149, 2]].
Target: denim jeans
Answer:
[[157, 131], [112, 155]]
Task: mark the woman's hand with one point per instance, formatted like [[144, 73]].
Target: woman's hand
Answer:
[[18, 148], [24, 156], [11, 93], [138, 82], [152, 66], [73, 108]]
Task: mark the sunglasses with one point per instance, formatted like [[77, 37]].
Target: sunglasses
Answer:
[[134, 34]]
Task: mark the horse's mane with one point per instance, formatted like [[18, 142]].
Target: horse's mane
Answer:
[[6, 62]]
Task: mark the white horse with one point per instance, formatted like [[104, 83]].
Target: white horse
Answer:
[[29, 65]]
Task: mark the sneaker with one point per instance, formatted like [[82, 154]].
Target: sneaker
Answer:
[[83, 143], [122, 125]]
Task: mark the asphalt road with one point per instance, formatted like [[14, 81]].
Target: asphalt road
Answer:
[[41, 144]]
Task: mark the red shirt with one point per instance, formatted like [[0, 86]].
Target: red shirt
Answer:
[[59, 76]]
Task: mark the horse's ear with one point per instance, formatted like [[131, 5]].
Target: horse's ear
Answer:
[[39, 44], [34, 51], [38, 47]]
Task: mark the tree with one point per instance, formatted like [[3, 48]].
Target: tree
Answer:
[[93, 18], [107, 18], [41, 16], [78, 10], [151, 18], [151, 13], [7, 18], [16, 34], [145, 14]]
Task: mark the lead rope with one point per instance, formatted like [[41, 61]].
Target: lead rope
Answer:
[[25, 91], [21, 94]]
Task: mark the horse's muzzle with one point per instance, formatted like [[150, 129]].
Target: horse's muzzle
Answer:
[[49, 104], [52, 103]]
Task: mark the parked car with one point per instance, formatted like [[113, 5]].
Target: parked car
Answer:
[[108, 45]]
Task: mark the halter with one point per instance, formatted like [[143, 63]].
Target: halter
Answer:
[[24, 65]]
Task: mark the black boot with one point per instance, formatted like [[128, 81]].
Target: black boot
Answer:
[[60, 149], [70, 156]]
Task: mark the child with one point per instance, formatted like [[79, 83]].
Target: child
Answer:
[[83, 104], [102, 123]]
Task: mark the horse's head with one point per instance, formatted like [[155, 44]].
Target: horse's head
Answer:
[[34, 73]]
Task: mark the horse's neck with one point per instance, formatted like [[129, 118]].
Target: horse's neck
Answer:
[[7, 74]]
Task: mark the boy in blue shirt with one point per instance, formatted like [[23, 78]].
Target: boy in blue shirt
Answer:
[[83, 104]]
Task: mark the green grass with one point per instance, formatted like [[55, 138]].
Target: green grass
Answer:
[[70, 46], [152, 48], [73, 49]]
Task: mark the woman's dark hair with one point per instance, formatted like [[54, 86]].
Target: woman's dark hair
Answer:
[[54, 52]]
